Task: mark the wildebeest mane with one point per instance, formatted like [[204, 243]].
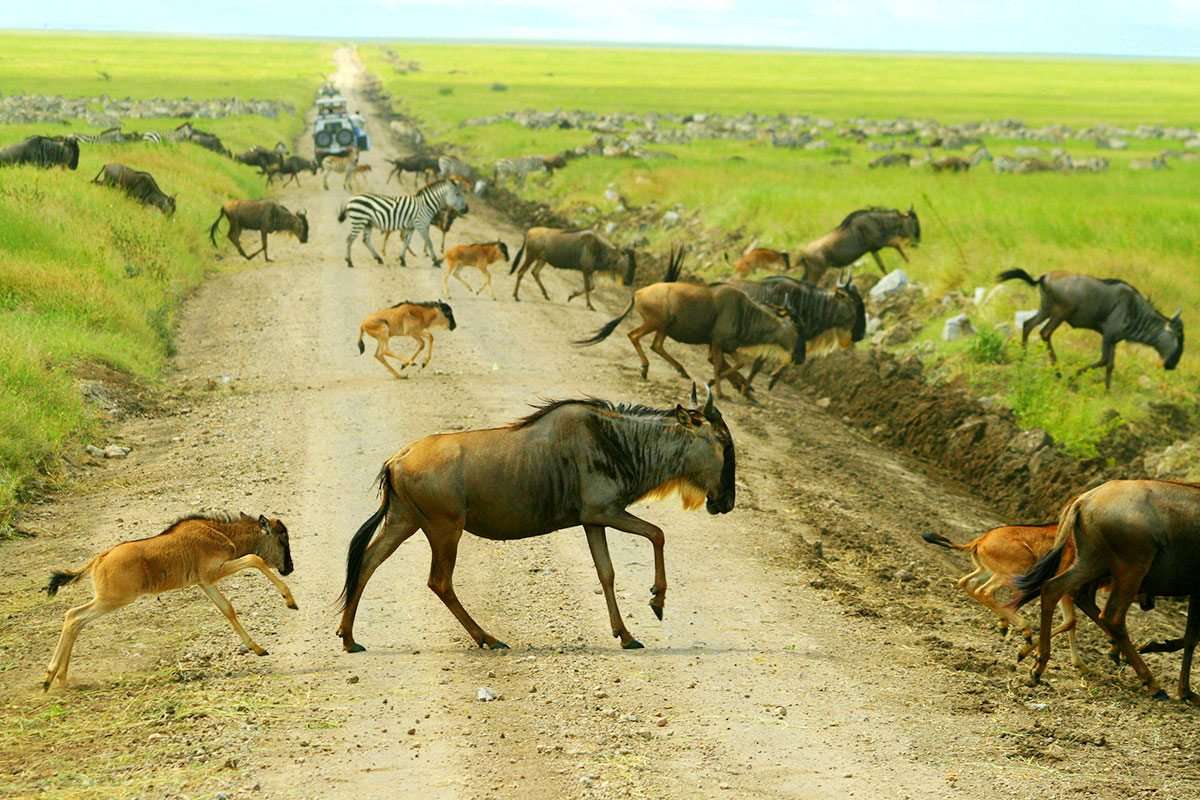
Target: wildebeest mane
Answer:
[[853, 215], [634, 410], [219, 517], [422, 303]]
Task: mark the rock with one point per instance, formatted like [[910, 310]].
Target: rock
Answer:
[[979, 296], [824, 402], [904, 575], [661, 722], [481, 188], [891, 283], [957, 327], [671, 218], [1020, 317], [873, 324], [352, 679], [1181, 460], [610, 228], [110, 451], [1030, 441], [898, 334], [486, 694]]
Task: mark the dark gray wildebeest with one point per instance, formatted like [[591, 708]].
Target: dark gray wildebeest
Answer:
[[571, 462], [421, 166], [891, 160], [264, 216], [209, 141], [720, 316], [867, 230], [290, 168], [826, 319], [1144, 536], [42, 151], [1109, 306], [261, 157], [580, 250], [139, 185]]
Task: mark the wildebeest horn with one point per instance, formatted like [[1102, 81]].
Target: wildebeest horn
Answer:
[[708, 400], [695, 399], [1178, 312]]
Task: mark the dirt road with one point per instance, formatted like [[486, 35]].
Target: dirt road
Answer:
[[812, 647]]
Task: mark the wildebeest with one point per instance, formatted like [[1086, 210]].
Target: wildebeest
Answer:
[[571, 462], [891, 160], [412, 319], [42, 151], [480, 256], [291, 167], [581, 250], [1144, 536], [139, 185], [345, 164], [757, 258], [825, 319], [195, 550], [451, 167], [720, 316], [260, 157], [209, 141], [264, 216], [524, 165], [1000, 555], [419, 165], [1109, 306], [867, 230]]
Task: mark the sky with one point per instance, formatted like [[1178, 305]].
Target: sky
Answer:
[[1168, 28]]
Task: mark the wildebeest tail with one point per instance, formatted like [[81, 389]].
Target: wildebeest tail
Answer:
[[517, 259], [342, 213], [942, 541], [607, 329], [362, 537], [1018, 274], [63, 577], [1029, 585], [212, 232], [360, 343], [674, 264]]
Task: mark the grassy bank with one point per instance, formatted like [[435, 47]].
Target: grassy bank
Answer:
[[1141, 226], [88, 276]]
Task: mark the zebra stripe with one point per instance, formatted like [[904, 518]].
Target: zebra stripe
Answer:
[[153, 137], [406, 212]]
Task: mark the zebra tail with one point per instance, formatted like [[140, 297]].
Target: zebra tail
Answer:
[[342, 213]]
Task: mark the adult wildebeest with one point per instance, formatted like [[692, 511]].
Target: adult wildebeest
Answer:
[[139, 185], [419, 165], [720, 316], [264, 216], [260, 157], [411, 319], [867, 230], [571, 462], [1144, 535], [891, 160], [291, 167], [581, 250], [1109, 306], [757, 258], [188, 133], [196, 550], [825, 319], [42, 151]]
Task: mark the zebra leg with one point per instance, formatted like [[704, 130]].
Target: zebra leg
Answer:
[[354, 228], [437, 262], [371, 247], [404, 250]]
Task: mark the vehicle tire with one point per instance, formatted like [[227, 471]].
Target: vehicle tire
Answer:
[[345, 137], [323, 139]]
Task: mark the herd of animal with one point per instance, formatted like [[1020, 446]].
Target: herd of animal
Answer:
[[583, 462]]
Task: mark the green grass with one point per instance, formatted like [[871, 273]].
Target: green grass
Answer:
[[1141, 226], [88, 276]]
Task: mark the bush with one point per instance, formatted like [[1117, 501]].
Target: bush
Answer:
[[987, 347], [446, 91]]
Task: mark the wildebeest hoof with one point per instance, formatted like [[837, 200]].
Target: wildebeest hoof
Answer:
[[632, 644], [1034, 679], [1160, 695], [379, 261], [354, 647], [261, 652], [46, 685], [495, 644], [658, 611]]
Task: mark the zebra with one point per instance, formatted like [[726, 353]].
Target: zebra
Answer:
[[153, 137], [407, 212], [518, 168]]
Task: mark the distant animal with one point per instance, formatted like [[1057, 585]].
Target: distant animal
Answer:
[[825, 319], [571, 462], [520, 167], [580, 250], [1000, 555], [290, 168], [186, 132], [195, 550], [264, 216], [404, 212], [451, 167], [1143, 536], [891, 160], [260, 157], [42, 151], [139, 185], [107, 136], [412, 319], [758, 258], [1156, 163], [153, 137], [1030, 165], [867, 230], [360, 172], [345, 164], [1109, 306], [443, 220], [721, 316], [480, 256], [959, 164], [419, 165]]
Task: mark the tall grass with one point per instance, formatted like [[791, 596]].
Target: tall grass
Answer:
[[89, 276], [1140, 226]]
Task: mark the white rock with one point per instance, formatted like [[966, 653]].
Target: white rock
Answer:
[[610, 228], [480, 188], [980, 294], [1020, 317], [873, 324], [671, 218], [486, 694], [891, 283], [957, 327]]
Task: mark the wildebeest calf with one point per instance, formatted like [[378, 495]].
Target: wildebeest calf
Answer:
[[139, 185]]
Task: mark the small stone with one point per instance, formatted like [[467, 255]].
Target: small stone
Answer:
[[661, 722], [352, 679], [412, 731], [904, 575], [486, 694], [824, 402]]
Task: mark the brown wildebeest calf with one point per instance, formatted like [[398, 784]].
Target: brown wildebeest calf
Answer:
[[1144, 536], [720, 316], [196, 550], [571, 462], [999, 555], [480, 256], [264, 216], [411, 319], [762, 258]]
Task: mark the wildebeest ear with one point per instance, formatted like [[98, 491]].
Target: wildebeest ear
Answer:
[[911, 210], [1178, 313], [682, 416], [264, 523]]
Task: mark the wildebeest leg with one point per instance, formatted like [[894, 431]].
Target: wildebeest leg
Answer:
[[264, 246], [443, 541], [1047, 331], [222, 603], [73, 621], [634, 336], [420, 346], [658, 346], [899, 249], [382, 350], [487, 277], [598, 544], [253, 561], [586, 290], [396, 530], [458, 277], [235, 235], [1028, 325], [429, 352], [1108, 353], [624, 521], [879, 261], [529, 259], [1085, 601], [1053, 591], [1124, 590], [1190, 637], [536, 273]]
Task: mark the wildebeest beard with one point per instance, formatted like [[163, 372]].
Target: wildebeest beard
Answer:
[[643, 458]]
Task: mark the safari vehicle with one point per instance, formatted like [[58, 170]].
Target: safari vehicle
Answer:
[[335, 130]]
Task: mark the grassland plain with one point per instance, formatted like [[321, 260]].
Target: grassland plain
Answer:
[[87, 276], [1141, 226]]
